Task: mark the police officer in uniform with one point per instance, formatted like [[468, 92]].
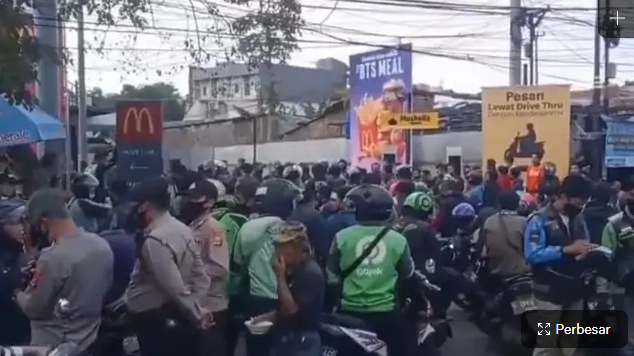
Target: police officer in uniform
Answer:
[[369, 291], [168, 280], [550, 248], [77, 267]]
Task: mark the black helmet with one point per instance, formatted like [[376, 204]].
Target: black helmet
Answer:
[[86, 179], [370, 202], [276, 197]]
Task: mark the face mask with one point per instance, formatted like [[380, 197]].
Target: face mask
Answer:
[[135, 220], [571, 210], [191, 211]]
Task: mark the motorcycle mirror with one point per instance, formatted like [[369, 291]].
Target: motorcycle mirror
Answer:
[[62, 308], [430, 266]]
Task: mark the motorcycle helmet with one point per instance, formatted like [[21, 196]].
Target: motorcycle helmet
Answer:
[[404, 172], [83, 186], [276, 197], [370, 202], [292, 172], [464, 214], [419, 201]]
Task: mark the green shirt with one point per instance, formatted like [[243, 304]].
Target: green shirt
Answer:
[[231, 224], [372, 286], [255, 239]]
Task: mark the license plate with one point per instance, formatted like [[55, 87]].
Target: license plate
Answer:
[[520, 306]]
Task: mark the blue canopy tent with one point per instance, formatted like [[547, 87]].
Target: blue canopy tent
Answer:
[[19, 125]]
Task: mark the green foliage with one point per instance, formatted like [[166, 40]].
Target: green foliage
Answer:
[[18, 53], [261, 38], [156, 91]]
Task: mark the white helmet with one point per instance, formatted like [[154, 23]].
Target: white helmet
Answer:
[[222, 190]]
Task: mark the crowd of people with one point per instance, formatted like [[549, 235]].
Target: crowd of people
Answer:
[[196, 253]]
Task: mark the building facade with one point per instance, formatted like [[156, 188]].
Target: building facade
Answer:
[[216, 92]]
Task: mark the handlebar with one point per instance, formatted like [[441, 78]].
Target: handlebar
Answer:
[[424, 281]]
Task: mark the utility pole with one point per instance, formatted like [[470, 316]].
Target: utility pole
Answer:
[[82, 110], [515, 49], [532, 20]]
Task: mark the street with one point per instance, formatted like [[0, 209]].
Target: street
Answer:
[[467, 340]]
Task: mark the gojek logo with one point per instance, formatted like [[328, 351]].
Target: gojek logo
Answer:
[[371, 265]]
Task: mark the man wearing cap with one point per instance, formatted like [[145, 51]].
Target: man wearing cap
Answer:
[[169, 278], [300, 294], [210, 236], [76, 267]]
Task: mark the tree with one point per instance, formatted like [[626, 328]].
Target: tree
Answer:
[[174, 110], [259, 38]]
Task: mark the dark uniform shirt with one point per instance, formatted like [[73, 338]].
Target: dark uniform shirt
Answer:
[[307, 286]]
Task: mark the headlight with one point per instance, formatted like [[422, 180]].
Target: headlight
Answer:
[[430, 266]]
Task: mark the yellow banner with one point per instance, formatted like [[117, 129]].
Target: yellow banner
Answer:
[[519, 122], [415, 121]]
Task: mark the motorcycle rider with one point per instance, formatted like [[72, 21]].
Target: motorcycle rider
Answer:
[[502, 235], [293, 173], [595, 214], [414, 225], [618, 236], [550, 248], [210, 236], [14, 326], [86, 213], [549, 184], [369, 290], [251, 269]]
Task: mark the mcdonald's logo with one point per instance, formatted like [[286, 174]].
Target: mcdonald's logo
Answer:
[[138, 117]]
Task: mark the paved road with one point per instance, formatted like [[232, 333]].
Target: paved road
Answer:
[[467, 340]]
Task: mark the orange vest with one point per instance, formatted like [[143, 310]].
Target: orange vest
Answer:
[[533, 178]]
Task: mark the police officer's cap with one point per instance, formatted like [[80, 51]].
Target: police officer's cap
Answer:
[[154, 191], [202, 191]]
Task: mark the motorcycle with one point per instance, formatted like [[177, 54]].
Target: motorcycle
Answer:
[[346, 335], [115, 337], [66, 348]]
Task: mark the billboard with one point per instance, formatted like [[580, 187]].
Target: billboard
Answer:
[[139, 140], [518, 122], [619, 143], [380, 82]]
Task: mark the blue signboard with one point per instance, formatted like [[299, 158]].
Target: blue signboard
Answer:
[[619, 143], [139, 140]]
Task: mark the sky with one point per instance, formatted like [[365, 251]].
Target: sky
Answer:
[[121, 55]]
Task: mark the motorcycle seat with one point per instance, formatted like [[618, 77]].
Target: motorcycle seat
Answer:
[[344, 320]]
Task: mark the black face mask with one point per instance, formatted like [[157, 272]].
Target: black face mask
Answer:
[[571, 210], [135, 220], [190, 211]]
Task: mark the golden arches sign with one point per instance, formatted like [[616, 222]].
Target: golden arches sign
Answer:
[[138, 116]]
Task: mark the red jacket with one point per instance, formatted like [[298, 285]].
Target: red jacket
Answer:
[[505, 182]]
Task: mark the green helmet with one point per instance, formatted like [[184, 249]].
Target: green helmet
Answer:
[[419, 201]]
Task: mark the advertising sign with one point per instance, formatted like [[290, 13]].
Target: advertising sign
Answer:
[[139, 140], [519, 122], [421, 121], [380, 82], [619, 143]]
